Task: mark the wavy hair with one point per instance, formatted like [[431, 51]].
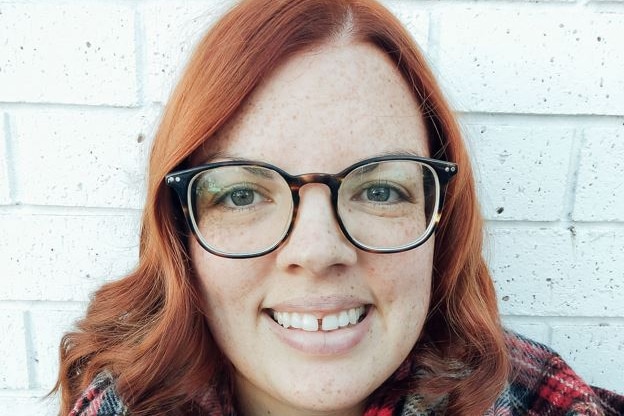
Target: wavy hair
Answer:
[[148, 329]]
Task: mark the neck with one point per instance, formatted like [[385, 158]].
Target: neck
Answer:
[[265, 405]]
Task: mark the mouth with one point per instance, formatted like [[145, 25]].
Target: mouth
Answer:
[[314, 322]]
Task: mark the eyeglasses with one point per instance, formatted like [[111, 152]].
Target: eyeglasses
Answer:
[[242, 209]]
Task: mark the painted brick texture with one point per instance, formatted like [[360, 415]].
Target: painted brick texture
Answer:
[[532, 62], [539, 91], [63, 257], [5, 198], [56, 152], [68, 53]]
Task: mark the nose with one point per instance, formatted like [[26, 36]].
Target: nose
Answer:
[[316, 243]]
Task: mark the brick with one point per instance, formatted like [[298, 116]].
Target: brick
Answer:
[[537, 331], [600, 189], [5, 198], [596, 352], [28, 403], [68, 53], [527, 266], [551, 61], [558, 272], [47, 328], [415, 19], [172, 29], [82, 158], [63, 257], [13, 367], [521, 171], [595, 284]]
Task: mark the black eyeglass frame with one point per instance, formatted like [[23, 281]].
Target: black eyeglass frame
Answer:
[[180, 180]]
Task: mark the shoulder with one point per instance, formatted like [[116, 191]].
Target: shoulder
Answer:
[[100, 399], [543, 383]]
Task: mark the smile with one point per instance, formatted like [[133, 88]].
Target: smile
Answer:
[[312, 323]]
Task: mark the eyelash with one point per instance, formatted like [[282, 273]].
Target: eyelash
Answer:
[[220, 199], [404, 196]]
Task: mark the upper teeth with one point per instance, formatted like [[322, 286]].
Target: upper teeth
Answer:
[[309, 322]]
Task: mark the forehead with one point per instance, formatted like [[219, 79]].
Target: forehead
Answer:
[[323, 110]]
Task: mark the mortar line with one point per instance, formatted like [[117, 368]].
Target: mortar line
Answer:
[[437, 4], [572, 177], [61, 210], [10, 158], [574, 119], [140, 54], [43, 105], [31, 358], [433, 35], [554, 225], [604, 6], [37, 393], [566, 319], [43, 304]]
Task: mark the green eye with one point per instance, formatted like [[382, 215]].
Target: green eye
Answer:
[[381, 193], [378, 193], [241, 197]]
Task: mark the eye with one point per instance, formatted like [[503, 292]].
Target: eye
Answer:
[[241, 196], [381, 193]]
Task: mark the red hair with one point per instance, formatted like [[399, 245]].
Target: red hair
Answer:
[[148, 330]]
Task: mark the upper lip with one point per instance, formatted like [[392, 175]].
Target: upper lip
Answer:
[[318, 304]]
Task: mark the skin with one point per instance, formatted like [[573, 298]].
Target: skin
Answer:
[[318, 112]]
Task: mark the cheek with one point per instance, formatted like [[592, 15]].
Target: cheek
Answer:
[[402, 282], [222, 280], [223, 284], [405, 272]]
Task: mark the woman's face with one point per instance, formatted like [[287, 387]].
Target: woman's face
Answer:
[[319, 112]]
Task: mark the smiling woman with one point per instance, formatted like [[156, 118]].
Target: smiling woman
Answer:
[[311, 243], [317, 275]]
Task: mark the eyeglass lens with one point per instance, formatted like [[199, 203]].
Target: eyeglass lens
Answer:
[[248, 209]]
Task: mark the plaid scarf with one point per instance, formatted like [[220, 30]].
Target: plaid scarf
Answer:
[[541, 384]]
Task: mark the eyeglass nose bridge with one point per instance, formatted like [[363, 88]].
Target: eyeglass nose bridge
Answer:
[[333, 182]]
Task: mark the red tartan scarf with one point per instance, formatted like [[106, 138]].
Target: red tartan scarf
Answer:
[[541, 384]]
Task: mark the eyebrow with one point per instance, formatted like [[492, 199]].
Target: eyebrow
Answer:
[[258, 171], [371, 168], [401, 152], [211, 158]]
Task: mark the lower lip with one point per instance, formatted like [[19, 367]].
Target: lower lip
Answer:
[[336, 342]]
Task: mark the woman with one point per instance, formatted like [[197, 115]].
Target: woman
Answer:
[[265, 289]]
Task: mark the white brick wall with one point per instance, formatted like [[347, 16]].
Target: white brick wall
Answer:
[[539, 88], [79, 158], [602, 156], [68, 53], [5, 198]]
